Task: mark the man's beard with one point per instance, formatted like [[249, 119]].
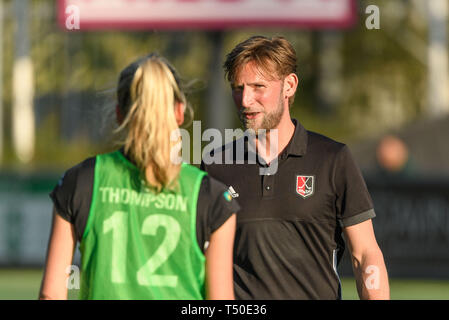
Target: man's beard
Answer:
[[270, 120]]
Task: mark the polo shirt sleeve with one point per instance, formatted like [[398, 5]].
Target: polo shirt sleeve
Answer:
[[62, 194], [72, 195], [354, 204], [214, 208]]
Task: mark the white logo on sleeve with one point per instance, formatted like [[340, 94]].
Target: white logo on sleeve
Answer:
[[232, 192]]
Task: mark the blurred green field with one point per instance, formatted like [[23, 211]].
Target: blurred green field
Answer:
[[25, 284]]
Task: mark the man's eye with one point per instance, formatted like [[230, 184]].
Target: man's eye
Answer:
[[259, 86]]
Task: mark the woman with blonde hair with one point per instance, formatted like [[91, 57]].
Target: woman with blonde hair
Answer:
[[148, 227]]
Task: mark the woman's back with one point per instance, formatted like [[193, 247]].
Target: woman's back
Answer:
[[143, 242]]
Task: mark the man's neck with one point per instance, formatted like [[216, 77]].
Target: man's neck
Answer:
[[277, 142]]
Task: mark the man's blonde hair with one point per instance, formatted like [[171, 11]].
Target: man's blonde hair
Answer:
[[274, 57], [147, 92]]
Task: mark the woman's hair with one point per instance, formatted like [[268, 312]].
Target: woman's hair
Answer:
[[147, 92]]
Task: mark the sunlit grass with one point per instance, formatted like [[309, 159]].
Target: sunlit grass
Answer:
[[22, 284]]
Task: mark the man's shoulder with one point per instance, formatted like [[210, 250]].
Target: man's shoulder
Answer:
[[233, 145], [234, 150], [319, 142]]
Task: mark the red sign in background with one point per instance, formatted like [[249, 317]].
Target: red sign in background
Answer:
[[207, 14]]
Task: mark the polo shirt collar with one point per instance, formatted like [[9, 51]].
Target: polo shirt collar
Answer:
[[298, 143]]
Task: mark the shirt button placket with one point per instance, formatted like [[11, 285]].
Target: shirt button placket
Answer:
[[268, 181]]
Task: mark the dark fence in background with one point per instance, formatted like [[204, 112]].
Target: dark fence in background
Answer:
[[25, 217], [412, 225]]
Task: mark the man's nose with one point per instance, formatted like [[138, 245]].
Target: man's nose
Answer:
[[247, 97]]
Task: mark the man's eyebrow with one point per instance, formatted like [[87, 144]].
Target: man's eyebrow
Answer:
[[235, 85], [257, 83]]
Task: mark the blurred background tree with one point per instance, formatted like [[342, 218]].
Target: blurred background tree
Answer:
[[379, 76]]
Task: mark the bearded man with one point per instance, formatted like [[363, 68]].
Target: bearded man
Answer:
[[289, 237]]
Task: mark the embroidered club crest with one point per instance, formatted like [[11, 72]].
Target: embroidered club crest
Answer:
[[305, 185]]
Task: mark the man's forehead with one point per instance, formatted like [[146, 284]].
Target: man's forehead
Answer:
[[261, 73]]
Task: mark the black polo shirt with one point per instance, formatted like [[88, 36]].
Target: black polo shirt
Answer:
[[289, 230]]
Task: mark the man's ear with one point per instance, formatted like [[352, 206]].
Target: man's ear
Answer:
[[118, 115], [179, 112], [290, 85]]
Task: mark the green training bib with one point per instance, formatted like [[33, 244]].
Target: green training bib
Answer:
[[138, 244]]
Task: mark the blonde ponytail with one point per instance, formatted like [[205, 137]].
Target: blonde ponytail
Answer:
[[150, 119]]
